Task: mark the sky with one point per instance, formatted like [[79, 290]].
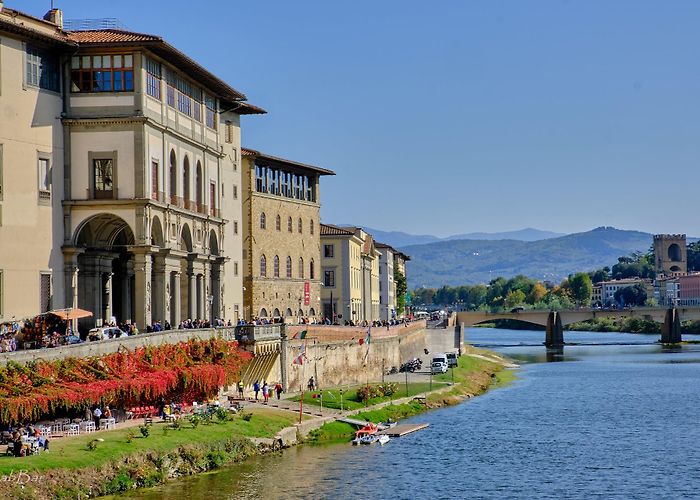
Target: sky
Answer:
[[449, 117]]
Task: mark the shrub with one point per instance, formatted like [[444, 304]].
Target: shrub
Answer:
[[177, 425], [367, 392], [130, 436], [92, 445], [222, 414], [246, 416], [145, 430], [195, 420]]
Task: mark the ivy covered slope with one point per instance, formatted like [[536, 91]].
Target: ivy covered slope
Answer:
[[187, 371]]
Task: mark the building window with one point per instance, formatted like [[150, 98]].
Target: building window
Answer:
[[154, 180], [42, 69], [235, 192], [301, 267], [103, 178], [44, 178], [289, 267], [312, 271], [329, 278], [170, 95], [263, 266], [45, 292], [235, 268], [289, 224], [198, 186], [212, 199], [262, 220], [153, 76], [228, 136], [300, 225], [210, 113], [328, 251], [235, 227], [276, 269], [278, 223], [311, 226], [102, 73], [173, 177], [186, 181]]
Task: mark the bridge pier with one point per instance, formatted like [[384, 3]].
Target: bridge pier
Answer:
[[555, 330], [459, 335], [671, 329]]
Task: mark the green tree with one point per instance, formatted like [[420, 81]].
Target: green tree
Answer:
[[514, 298], [600, 275], [537, 293], [401, 288], [635, 295], [581, 288], [694, 256]]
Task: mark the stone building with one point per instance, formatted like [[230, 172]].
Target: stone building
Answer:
[[350, 267], [137, 154], [387, 287], [281, 247], [670, 255]]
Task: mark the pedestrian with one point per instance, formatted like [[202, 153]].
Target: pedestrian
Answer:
[[266, 391], [278, 389], [240, 389], [256, 389], [312, 384], [97, 413]]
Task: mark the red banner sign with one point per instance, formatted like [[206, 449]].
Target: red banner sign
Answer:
[[307, 293]]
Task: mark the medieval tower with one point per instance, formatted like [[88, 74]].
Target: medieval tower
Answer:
[[670, 254]]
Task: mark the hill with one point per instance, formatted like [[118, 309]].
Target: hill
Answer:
[[527, 234], [461, 262]]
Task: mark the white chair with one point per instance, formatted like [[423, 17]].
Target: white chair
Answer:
[[108, 423], [87, 426], [73, 429], [46, 431], [57, 427]]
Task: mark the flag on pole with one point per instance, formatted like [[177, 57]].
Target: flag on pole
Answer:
[[300, 335], [369, 335], [299, 360]]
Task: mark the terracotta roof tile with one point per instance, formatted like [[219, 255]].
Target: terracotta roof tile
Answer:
[[110, 36], [290, 163], [329, 230]]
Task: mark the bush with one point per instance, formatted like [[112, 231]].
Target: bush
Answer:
[[222, 414], [92, 445], [177, 425], [195, 420], [246, 416], [368, 392], [145, 430], [130, 436]]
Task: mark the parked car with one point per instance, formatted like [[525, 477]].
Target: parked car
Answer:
[[452, 359], [438, 367]]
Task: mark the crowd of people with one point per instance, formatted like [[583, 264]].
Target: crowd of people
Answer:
[[45, 330]]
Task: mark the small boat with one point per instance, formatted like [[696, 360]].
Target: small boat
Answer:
[[367, 431], [383, 439], [370, 439], [389, 424]]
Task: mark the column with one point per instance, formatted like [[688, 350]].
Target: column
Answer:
[[70, 276], [161, 302], [107, 295], [207, 293], [200, 297], [191, 293], [142, 287], [126, 312], [175, 305], [214, 291]]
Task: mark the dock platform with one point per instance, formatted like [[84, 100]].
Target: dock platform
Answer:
[[402, 429]]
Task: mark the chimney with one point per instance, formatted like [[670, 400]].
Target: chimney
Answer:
[[54, 16]]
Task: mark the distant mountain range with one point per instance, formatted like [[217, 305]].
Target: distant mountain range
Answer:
[[401, 239], [469, 261]]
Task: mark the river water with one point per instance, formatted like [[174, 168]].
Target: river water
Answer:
[[618, 418]]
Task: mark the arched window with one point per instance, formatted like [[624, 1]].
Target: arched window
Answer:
[[263, 266], [289, 224], [262, 220], [311, 269], [311, 226], [186, 181], [301, 267], [312, 312], [276, 268], [198, 187], [301, 225], [263, 313], [289, 267], [278, 222], [173, 176], [288, 313]]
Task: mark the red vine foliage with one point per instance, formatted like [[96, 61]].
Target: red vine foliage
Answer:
[[187, 371]]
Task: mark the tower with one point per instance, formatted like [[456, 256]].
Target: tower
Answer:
[[670, 254]]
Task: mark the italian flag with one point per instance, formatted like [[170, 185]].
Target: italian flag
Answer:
[[300, 335]]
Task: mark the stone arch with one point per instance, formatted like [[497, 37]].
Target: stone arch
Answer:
[[213, 243], [312, 312], [186, 238], [312, 273], [103, 231], [278, 223], [301, 268], [674, 252], [263, 313], [173, 176], [157, 233], [288, 312], [276, 267], [675, 269], [276, 313], [263, 220], [198, 185], [301, 312], [263, 265]]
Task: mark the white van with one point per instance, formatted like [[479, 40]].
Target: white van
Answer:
[[452, 359], [439, 364]]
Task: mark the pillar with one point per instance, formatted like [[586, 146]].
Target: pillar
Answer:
[[284, 357], [175, 305], [671, 329], [199, 284], [215, 291], [161, 302], [127, 293], [555, 330], [70, 277], [142, 287], [107, 295], [191, 293]]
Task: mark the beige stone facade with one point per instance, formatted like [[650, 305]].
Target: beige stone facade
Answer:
[[281, 247], [120, 177], [351, 262]]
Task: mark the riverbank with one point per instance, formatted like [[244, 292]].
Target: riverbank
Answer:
[[125, 460], [621, 325]]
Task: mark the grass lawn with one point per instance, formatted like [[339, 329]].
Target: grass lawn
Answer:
[[331, 397], [72, 452]]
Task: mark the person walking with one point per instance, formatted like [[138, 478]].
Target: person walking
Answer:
[[266, 391], [256, 389], [312, 384], [240, 389], [278, 389], [97, 414]]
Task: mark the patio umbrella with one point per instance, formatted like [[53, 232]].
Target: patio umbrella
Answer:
[[69, 314]]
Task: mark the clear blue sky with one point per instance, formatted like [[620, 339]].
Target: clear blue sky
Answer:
[[456, 116]]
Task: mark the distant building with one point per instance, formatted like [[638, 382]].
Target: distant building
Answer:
[[608, 289], [387, 287], [351, 273], [689, 290], [670, 255], [597, 294], [281, 241]]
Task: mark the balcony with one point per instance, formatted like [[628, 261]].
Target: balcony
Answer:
[[258, 333]]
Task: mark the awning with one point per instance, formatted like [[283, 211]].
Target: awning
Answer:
[[68, 314]]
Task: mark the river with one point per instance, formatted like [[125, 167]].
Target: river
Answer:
[[614, 419]]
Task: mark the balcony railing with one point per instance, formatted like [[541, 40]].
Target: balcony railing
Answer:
[[258, 333]]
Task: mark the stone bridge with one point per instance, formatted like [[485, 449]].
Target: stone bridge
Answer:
[[555, 321]]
